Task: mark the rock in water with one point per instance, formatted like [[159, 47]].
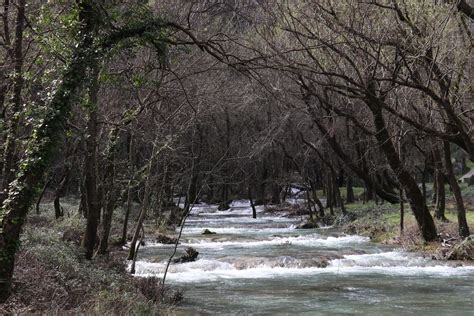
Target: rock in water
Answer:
[[163, 239], [207, 232], [191, 255], [463, 251], [308, 225], [224, 206]]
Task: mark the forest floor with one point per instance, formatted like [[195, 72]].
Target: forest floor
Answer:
[[52, 276]]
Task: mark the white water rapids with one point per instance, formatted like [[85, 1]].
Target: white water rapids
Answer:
[[267, 266]]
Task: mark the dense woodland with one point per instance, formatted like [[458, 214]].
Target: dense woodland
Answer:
[[134, 104]]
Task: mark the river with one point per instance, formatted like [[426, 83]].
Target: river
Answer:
[[267, 266]]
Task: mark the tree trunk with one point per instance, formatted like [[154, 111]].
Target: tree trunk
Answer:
[[40, 198], [330, 194], [82, 210], [463, 228], [440, 202], [111, 198], [130, 190], [317, 200], [92, 194], [9, 166], [254, 210], [423, 184], [422, 215], [402, 211], [58, 210], [128, 208], [145, 203], [337, 194], [110, 190], [349, 191], [276, 189]]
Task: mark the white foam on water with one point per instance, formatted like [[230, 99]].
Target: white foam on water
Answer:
[[211, 270], [384, 259], [240, 230], [311, 240], [240, 210], [242, 220], [240, 203]]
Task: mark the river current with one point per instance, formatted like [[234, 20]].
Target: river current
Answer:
[[268, 266]]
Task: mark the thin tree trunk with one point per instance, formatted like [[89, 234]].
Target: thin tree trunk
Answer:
[[111, 192], [330, 194], [440, 202], [130, 190], [349, 191], [463, 228], [92, 194], [128, 208], [58, 210], [317, 200], [145, 203], [402, 211], [254, 210], [40, 198]]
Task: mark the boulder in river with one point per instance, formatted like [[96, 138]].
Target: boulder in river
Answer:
[[163, 239], [463, 251], [308, 225], [207, 232], [224, 206], [191, 255]]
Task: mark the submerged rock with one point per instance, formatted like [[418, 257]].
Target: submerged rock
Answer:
[[321, 261], [463, 251], [191, 255], [207, 232]]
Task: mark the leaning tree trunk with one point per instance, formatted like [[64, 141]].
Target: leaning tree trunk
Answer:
[[463, 228], [415, 197], [40, 198], [145, 204]]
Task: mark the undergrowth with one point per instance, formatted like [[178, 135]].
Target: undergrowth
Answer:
[[51, 276]]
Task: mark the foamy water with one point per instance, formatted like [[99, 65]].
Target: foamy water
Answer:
[[266, 265]]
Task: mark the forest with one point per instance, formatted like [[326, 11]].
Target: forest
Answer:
[[236, 156]]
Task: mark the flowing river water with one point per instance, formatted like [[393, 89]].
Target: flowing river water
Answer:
[[267, 266]]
